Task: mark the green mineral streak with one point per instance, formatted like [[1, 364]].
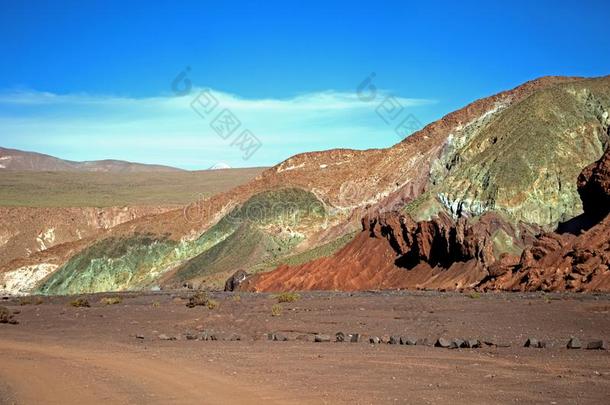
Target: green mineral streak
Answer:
[[137, 262], [523, 160]]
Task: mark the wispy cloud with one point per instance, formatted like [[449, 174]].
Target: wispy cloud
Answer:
[[166, 130]]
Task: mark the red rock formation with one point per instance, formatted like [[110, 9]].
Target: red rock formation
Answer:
[[395, 252], [558, 262]]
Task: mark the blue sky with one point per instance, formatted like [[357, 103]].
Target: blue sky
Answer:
[[93, 80]]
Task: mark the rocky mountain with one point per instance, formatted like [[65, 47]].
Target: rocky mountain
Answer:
[[17, 160], [438, 210]]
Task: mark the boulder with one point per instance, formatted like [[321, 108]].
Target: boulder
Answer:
[[597, 345], [456, 343], [280, 337], [409, 341], [394, 340], [321, 338], [374, 340], [533, 342], [163, 336], [471, 343], [354, 338], [574, 343], [233, 282], [340, 337], [442, 342]]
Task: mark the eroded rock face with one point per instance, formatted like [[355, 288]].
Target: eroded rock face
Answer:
[[557, 262], [440, 242], [394, 251]]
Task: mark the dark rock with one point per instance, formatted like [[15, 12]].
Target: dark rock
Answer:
[[321, 338], [597, 345], [139, 336], [233, 282], [374, 340], [574, 343], [354, 338], [340, 337], [442, 342]]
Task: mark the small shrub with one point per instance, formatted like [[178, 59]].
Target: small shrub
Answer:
[[276, 310], [80, 303], [212, 304], [198, 299], [6, 316], [25, 301], [111, 300], [474, 295], [288, 297]]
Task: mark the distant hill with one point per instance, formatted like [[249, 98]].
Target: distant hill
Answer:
[[17, 160]]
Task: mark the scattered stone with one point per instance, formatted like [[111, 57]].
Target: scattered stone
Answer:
[[354, 338], [472, 343], [456, 343], [190, 336], [163, 336], [204, 336], [214, 337], [385, 339], [303, 338], [496, 344], [597, 345], [423, 342], [321, 338], [279, 337], [394, 340], [409, 341], [340, 337], [374, 340], [234, 337], [442, 342], [139, 336], [533, 342], [574, 343]]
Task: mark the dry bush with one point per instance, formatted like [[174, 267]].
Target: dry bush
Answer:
[[276, 310], [6, 316], [80, 303], [288, 297], [111, 300]]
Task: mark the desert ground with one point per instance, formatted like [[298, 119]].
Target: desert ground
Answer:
[[148, 348]]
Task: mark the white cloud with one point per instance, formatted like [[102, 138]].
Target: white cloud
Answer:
[[166, 130]]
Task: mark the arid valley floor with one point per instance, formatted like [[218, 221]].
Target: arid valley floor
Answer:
[[115, 352]]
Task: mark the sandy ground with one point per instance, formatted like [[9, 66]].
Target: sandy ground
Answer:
[[64, 355]]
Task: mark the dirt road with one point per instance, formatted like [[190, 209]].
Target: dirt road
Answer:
[[59, 354]]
